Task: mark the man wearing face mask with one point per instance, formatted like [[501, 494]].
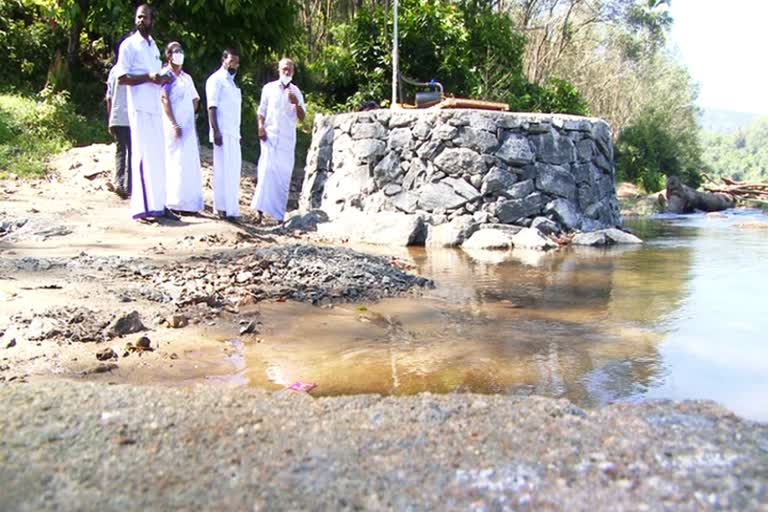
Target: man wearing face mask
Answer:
[[138, 67], [281, 107], [224, 103]]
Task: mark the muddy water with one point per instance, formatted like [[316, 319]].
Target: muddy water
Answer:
[[683, 316]]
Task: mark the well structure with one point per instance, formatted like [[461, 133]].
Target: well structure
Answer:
[[495, 167]]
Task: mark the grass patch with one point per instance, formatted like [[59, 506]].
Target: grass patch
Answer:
[[33, 128]]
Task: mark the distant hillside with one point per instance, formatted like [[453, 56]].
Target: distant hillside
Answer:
[[740, 155], [724, 121]]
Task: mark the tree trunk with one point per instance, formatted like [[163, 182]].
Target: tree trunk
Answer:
[[80, 11]]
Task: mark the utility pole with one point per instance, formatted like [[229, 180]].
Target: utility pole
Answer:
[[395, 57]]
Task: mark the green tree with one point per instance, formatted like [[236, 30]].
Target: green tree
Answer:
[[650, 149], [468, 47], [741, 155]]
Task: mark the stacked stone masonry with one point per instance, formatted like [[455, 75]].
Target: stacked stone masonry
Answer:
[[492, 167]]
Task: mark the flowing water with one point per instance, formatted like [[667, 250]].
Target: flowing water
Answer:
[[684, 316]]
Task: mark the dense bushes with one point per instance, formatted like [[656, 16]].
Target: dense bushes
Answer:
[[29, 42], [650, 149], [34, 128]]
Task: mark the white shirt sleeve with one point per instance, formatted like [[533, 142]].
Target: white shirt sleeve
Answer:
[[264, 102], [213, 91], [110, 84], [125, 60]]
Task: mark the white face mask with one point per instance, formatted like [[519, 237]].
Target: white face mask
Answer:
[[178, 59], [285, 79]]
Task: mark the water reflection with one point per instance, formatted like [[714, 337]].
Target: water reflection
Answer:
[[592, 325]]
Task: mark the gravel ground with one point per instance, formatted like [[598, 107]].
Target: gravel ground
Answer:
[[229, 448], [304, 273]]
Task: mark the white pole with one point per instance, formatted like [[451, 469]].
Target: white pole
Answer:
[[395, 58]]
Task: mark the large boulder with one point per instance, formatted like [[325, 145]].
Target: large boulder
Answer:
[[488, 239], [555, 149], [555, 180], [457, 161], [605, 237], [683, 199], [498, 180], [530, 238], [365, 150], [453, 233], [380, 228], [566, 213], [439, 195], [510, 211], [515, 150]]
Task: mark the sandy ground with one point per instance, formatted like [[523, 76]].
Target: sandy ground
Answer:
[[78, 433], [73, 214]]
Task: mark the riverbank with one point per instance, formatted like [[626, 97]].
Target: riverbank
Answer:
[[81, 283], [634, 203], [118, 340], [85, 446]]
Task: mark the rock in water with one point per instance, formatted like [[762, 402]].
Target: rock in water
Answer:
[[532, 238], [605, 237], [488, 239]]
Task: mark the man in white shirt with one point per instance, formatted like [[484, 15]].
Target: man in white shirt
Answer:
[[281, 107], [138, 67], [120, 129], [224, 103]]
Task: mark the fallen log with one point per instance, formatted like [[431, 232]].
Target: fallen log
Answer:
[[739, 189]]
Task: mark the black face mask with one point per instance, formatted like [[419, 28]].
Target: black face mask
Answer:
[[232, 71]]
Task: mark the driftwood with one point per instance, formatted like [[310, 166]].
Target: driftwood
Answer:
[[683, 199], [739, 189]]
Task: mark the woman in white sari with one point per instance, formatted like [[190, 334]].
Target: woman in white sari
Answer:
[[184, 184]]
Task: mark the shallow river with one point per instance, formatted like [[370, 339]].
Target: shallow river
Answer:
[[684, 316]]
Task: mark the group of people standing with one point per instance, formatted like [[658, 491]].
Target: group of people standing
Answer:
[[152, 104]]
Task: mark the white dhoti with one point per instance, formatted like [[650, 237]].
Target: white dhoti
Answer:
[[147, 165], [227, 162], [183, 176], [274, 179]]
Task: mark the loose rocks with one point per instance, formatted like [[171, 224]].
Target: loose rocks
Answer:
[[125, 324], [299, 272]]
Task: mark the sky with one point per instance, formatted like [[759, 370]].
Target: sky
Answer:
[[723, 45]]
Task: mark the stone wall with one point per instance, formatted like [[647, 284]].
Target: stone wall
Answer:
[[488, 167]]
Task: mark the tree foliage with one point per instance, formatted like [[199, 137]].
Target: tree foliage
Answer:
[[605, 58], [650, 149], [741, 155], [466, 46]]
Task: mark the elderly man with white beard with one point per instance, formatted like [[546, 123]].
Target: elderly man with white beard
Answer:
[[281, 107]]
